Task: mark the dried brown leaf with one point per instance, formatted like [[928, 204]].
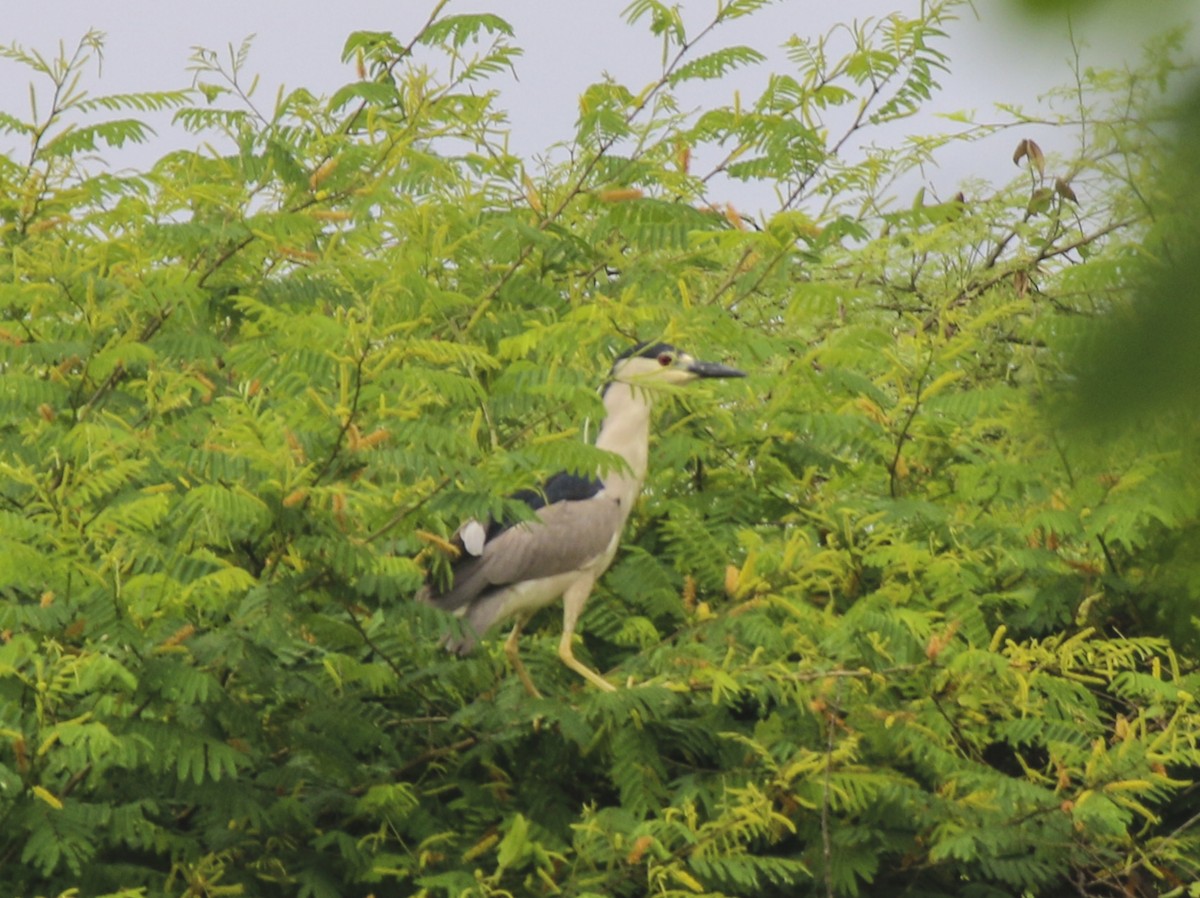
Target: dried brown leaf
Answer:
[[1021, 152], [1037, 157]]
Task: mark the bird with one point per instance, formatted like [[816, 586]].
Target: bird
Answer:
[[507, 570]]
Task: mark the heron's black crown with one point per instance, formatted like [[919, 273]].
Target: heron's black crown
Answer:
[[646, 350]]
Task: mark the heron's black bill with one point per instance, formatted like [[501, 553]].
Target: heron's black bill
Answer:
[[712, 369]]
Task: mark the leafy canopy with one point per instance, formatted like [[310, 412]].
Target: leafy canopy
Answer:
[[888, 628]]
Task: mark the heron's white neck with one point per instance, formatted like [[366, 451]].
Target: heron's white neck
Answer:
[[626, 431]]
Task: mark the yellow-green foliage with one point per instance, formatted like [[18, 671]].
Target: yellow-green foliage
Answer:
[[886, 628]]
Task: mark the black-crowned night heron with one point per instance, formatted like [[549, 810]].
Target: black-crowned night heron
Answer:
[[507, 571]]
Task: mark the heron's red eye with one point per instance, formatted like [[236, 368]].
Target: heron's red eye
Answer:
[[665, 359]]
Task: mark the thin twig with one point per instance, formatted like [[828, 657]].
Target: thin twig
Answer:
[[366, 638], [119, 371], [581, 180], [434, 753], [894, 465], [347, 423], [826, 791], [391, 67], [1048, 252]]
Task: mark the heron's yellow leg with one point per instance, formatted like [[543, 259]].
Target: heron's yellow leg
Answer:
[[573, 599], [513, 650]]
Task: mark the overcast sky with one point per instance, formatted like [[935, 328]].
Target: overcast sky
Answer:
[[996, 56]]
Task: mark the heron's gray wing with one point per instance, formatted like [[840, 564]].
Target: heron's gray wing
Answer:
[[560, 538]]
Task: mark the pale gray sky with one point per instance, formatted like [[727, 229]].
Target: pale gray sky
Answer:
[[996, 56]]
